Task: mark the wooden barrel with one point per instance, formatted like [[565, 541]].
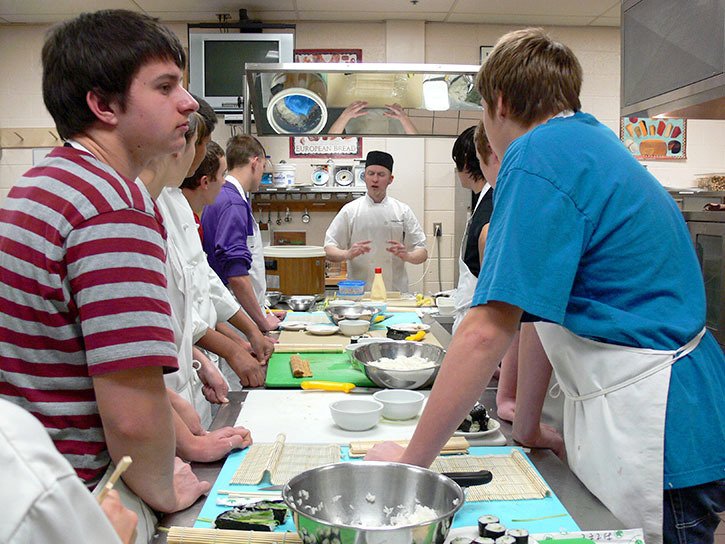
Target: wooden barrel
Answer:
[[295, 270]]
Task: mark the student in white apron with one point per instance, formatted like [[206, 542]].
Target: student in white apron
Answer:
[[214, 305], [471, 176], [586, 241]]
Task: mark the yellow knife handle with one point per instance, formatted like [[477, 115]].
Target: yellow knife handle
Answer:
[[345, 387]]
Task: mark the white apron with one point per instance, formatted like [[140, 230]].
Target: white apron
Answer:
[[256, 247], [184, 381], [614, 420], [466, 280]]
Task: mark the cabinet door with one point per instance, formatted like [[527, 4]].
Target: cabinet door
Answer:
[[668, 44]]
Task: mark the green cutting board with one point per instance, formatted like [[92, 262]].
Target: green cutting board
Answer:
[[334, 367]]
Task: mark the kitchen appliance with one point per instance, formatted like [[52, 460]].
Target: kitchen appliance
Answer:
[[295, 270], [707, 230], [321, 174], [344, 176], [358, 173]]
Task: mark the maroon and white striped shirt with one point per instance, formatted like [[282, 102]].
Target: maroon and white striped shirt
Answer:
[[82, 293]]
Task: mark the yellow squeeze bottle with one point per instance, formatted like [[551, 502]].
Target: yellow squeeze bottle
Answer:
[[378, 291]]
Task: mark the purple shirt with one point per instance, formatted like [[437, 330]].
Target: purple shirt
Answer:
[[226, 224]]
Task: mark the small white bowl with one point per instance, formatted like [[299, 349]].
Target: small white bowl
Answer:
[[356, 414], [400, 403], [446, 305], [352, 327]]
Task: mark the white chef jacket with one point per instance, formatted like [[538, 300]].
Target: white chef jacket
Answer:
[[197, 296], [213, 303], [362, 219], [41, 497]]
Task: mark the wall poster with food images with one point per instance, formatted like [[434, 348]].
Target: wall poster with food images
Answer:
[[655, 139]]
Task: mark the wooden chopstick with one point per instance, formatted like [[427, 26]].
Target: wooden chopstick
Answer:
[[121, 467]]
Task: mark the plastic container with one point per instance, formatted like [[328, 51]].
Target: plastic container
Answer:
[[268, 173], [351, 289], [284, 175], [378, 291]]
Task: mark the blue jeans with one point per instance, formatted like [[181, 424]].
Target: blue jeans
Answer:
[[691, 513]]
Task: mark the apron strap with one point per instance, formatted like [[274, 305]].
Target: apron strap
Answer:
[[677, 354]]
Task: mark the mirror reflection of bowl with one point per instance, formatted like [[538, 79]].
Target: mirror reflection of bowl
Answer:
[[446, 305], [297, 111]]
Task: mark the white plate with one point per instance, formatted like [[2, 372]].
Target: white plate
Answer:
[[410, 327], [293, 325], [493, 426], [320, 329]]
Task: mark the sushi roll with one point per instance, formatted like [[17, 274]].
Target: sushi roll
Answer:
[[476, 420], [485, 520], [520, 535], [494, 530]]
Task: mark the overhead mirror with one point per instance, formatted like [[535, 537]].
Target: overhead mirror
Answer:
[[361, 99]]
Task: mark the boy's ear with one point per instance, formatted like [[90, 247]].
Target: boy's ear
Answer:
[[101, 108], [204, 182], [502, 108]]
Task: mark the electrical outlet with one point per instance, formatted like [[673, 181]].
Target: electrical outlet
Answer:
[[437, 229]]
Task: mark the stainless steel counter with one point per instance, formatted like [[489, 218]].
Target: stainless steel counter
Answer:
[[585, 508]]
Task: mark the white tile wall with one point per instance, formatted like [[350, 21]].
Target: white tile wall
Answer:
[[424, 170]]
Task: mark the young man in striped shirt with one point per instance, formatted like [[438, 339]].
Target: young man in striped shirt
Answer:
[[84, 316]]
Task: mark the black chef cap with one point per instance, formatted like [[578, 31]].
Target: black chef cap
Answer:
[[379, 158]]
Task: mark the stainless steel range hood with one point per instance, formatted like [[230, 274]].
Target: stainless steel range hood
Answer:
[[673, 58]]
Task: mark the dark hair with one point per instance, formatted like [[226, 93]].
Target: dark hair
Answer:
[[209, 116], [100, 52], [208, 166], [536, 76], [241, 149], [464, 154]]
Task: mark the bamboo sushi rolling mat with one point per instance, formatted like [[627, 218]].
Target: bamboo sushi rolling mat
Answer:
[[193, 535], [455, 445], [513, 477], [283, 461]]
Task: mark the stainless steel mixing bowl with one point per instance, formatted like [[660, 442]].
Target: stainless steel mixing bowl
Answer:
[[399, 379], [356, 311], [301, 303], [352, 503]]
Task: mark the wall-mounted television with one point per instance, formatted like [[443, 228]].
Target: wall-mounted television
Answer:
[[216, 64]]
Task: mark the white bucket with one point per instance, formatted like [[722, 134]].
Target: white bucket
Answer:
[[284, 175]]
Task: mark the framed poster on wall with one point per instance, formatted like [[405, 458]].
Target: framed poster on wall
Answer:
[[654, 139], [334, 147], [328, 55]]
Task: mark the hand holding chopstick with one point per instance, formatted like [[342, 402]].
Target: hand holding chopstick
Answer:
[[121, 467]]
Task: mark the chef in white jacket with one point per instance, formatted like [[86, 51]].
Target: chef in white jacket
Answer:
[[473, 175], [377, 230]]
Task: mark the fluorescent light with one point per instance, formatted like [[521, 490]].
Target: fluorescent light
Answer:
[[435, 95]]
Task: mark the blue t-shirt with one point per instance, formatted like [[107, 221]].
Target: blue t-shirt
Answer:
[[583, 236]]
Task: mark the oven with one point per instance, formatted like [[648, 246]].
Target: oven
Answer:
[[707, 230]]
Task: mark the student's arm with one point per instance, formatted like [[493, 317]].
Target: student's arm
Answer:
[[242, 288], [250, 372], [533, 381], [262, 346], [482, 242], [474, 353], [137, 421]]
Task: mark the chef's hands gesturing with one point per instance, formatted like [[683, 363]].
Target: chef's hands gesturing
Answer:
[[398, 249], [358, 248]]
